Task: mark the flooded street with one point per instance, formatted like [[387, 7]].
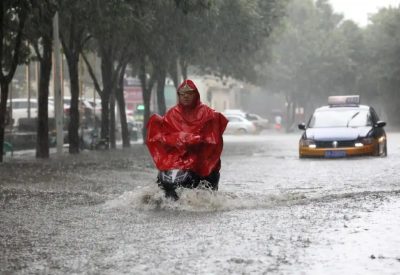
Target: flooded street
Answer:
[[101, 213]]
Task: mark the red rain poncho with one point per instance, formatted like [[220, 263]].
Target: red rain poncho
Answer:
[[188, 138]]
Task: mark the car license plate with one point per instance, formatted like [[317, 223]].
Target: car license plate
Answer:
[[335, 154]]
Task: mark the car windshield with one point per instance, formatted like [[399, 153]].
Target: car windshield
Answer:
[[340, 118]]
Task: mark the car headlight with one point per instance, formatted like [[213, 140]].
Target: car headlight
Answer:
[[307, 143], [366, 141]]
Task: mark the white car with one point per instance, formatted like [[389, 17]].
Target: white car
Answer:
[[96, 105], [262, 123], [19, 108], [235, 112], [238, 124]]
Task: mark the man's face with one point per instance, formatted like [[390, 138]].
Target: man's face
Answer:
[[187, 98]]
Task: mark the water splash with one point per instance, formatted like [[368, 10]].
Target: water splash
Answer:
[[151, 197]]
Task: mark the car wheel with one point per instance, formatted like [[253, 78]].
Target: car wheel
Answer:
[[242, 131], [386, 151], [375, 153]]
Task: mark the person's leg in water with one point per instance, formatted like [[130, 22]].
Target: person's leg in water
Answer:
[[214, 177]]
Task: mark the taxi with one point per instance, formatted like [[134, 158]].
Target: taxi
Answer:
[[342, 129]]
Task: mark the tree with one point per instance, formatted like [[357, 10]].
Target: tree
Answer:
[[73, 35], [40, 35], [108, 26], [226, 46], [119, 93], [382, 68], [310, 57], [11, 13]]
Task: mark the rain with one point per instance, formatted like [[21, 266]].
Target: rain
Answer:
[[305, 101]]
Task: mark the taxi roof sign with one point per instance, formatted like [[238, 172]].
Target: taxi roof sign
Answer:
[[345, 100]]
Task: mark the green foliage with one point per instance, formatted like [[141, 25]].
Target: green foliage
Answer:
[[310, 54], [232, 33], [14, 12], [318, 54], [382, 78]]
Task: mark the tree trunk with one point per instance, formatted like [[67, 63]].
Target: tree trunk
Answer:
[[184, 69], [106, 72], [121, 105], [146, 101], [173, 73], [161, 75], [105, 101], [73, 128], [3, 110], [112, 120], [42, 145], [146, 93]]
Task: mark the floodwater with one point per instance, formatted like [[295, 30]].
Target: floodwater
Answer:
[[101, 213]]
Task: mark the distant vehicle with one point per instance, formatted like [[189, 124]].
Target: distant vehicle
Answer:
[[8, 119], [19, 108], [234, 112], [86, 108], [344, 128], [238, 124], [96, 105], [260, 123]]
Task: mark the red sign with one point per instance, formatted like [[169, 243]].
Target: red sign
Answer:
[[133, 95]]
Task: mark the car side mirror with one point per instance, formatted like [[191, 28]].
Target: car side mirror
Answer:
[[380, 124], [302, 126]]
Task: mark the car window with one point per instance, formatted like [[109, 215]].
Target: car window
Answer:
[[20, 105], [14, 105], [340, 118], [234, 119], [251, 117], [92, 103], [34, 105]]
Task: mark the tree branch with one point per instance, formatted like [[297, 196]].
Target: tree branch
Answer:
[[17, 47], [37, 51], [92, 75], [152, 81], [87, 38], [116, 72], [64, 45], [71, 35]]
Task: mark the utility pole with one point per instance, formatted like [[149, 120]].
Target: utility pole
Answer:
[[37, 77], [62, 80], [28, 88], [57, 88], [81, 114]]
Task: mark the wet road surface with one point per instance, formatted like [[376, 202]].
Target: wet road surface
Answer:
[[101, 213]]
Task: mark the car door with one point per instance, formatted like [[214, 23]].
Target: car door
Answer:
[[254, 119], [233, 124], [34, 109], [377, 132], [19, 110]]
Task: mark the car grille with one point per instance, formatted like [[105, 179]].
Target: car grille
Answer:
[[341, 144]]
